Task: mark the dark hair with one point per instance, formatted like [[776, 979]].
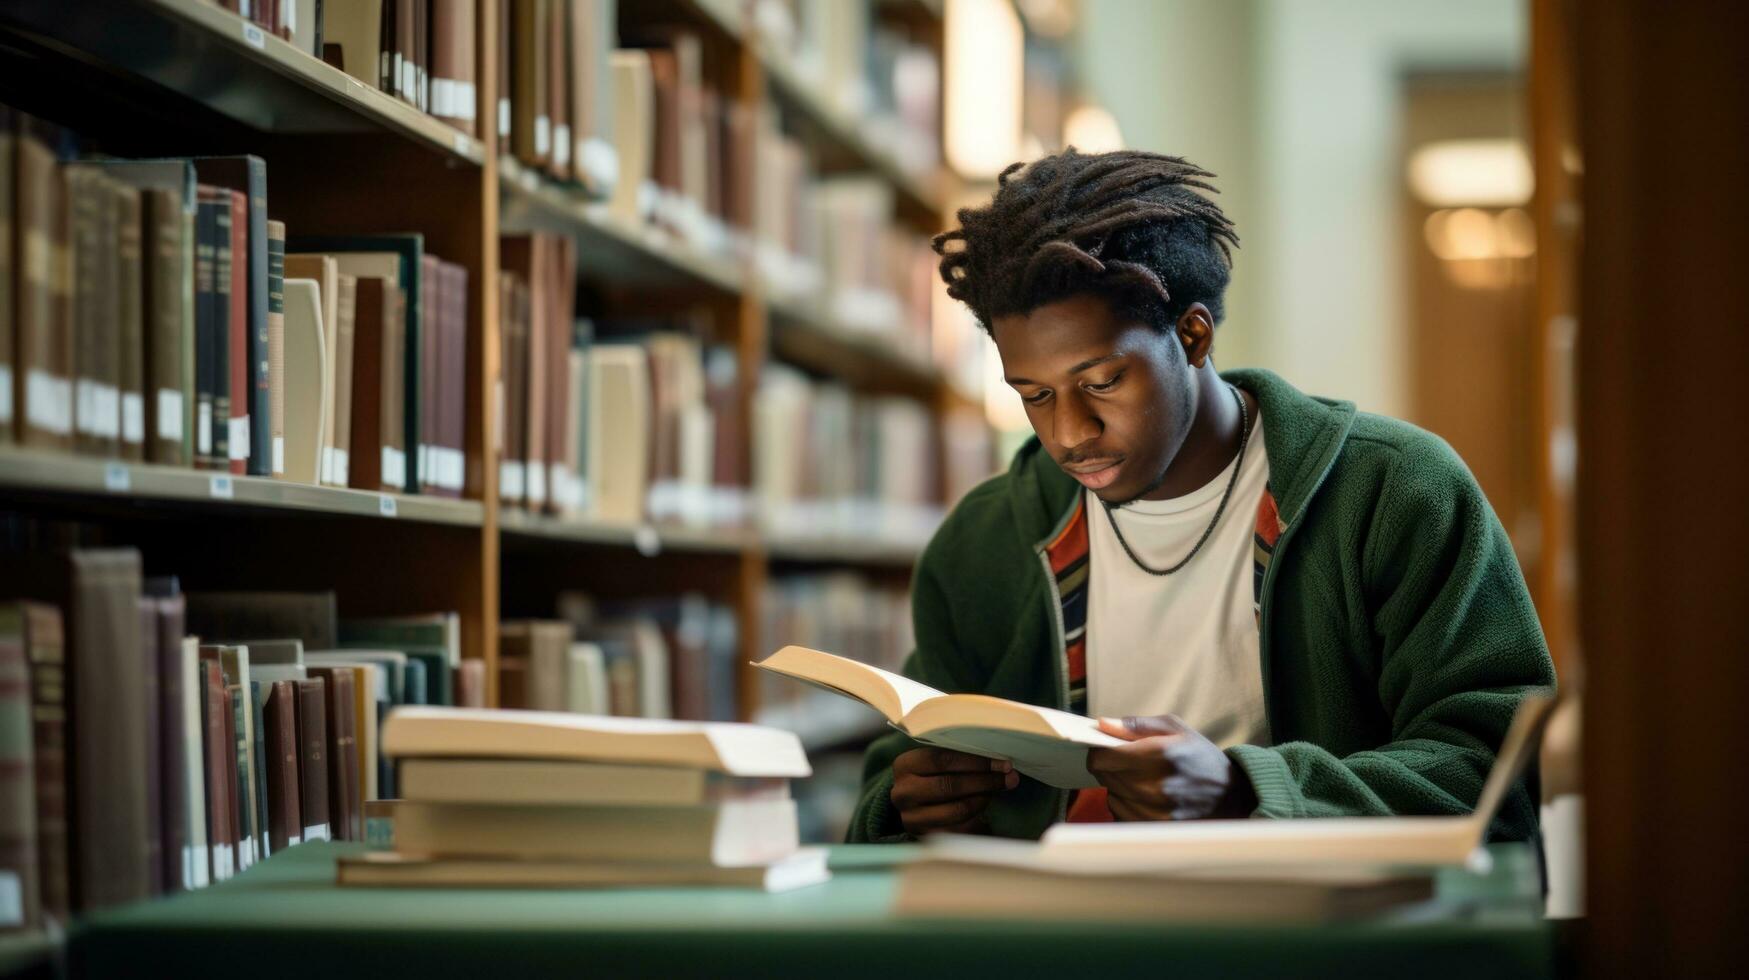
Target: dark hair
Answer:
[[1129, 226]]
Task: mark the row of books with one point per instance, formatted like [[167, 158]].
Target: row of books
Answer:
[[843, 611], [420, 51], [862, 68], [155, 742], [668, 657], [182, 327], [544, 800], [828, 461]]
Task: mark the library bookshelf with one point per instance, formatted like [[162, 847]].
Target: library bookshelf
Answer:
[[181, 77]]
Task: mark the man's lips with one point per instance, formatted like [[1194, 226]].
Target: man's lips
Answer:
[[1094, 474]]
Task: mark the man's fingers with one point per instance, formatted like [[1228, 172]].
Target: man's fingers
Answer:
[[940, 816], [1135, 727], [914, 790]]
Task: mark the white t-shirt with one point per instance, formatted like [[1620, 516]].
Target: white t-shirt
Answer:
[[1185, 643]]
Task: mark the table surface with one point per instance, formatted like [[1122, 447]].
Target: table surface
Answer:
[[286, 917]]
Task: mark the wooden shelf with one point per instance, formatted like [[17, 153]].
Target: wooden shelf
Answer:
[[843, 551], [205, 53], [609, 248], [806, 334], [647, 539], [117, 481]]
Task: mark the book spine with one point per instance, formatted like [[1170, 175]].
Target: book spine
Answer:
[[312, 758], [197, 853], [130, 294], [220, 337], [8, 217], [108, 759], [345, 318], [284, 811], [276, 345], [258, 765], [343, 786], [18, 862], [151, 701], [173, 795], [163, 278], [236, 798], [42, 391], [260, 372], [46, 648], [242, 340], [214, 708], [94, 393], [369, 339]]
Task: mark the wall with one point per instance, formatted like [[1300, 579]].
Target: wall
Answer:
[[1295, 104]]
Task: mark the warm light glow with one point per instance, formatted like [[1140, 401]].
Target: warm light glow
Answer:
[[1472, 173], [985, 47], [1091, 129], [1470, 234]]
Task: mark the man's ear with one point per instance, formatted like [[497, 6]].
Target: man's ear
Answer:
[[1196, 332]]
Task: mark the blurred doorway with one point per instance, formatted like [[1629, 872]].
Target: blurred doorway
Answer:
[[1471, 244]]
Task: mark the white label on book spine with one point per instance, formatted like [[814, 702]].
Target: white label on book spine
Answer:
[[220, 488], [325, 465], [240, 437], [423, 459], [394, 467], [5, 392], [504, 117], [133, 418], [85, 405], [170, 414], [222, 861], [193, 872], [293, 839], [537, 484], [452, 98], [278, 455], [318, 831], [341, 470], [543, 137], [11, 899], [562, 145], [203, 429], [106, 403], [48, 402], [253, 36], [245, 853], [386, 506], [510, 480], [599, 162], [116, 478]]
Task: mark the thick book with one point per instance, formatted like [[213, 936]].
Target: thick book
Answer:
[[8, 217], [995, 879], [128, 305], [97, 338], [377, 460], [152, 704], [415, 634], [45, 648], [354, 29], [544, 644], [736, 749], [453, 69], [197, 853], [619, 415], [324, 271], [396, 257], [210, 212], [345, 791], [42, 355], [730, 834], [1044, 743], [250, 823], [345, 320], [175, 852], [285, 820], [247, 177], [221, 617], [805, 867], [634, 133], [544, 783], [530, 125], [240, 434], [313, 759], [18, 843], [220, 788], [593, 38]]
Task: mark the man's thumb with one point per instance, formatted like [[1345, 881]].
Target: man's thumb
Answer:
[[1133, 727]]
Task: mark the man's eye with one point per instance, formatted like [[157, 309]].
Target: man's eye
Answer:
[[1105, 385], [1039, 397]]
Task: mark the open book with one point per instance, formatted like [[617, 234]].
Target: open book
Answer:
[[1044, 743]]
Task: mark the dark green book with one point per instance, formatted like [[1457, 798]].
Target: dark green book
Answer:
[[248, 818], [410, 250], [248, 176], [434, 638], [258, 693]]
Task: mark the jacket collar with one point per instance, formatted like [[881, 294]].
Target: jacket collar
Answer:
[[1302, 435]]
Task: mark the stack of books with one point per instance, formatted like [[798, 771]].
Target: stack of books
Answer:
[[548, 799]]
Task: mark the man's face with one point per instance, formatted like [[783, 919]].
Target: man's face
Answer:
[[1110, 399]]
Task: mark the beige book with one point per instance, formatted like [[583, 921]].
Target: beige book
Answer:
[[357, 26], [370, 684], [345, 310], [307, 394], [1044, 743], [543, 783], [737, 749], [324, 271], [618, 444], [545, 645], [634, 109], [805, 867], [586, 679], [729, 835]]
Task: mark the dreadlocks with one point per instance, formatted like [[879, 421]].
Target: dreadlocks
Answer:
[[1127, 225]]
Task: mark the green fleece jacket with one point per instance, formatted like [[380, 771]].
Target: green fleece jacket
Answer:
[[1397, 635]]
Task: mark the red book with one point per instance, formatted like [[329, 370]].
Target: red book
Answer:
[[313, 757], [239, 366], [215, 709], [284, 801], [345, 812]]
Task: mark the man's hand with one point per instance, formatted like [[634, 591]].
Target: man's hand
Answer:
[[939, 789], [1168, 771]]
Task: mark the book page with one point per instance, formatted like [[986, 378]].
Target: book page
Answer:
[[891, 694]]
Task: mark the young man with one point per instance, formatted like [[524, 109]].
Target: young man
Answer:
[[1287, 607]]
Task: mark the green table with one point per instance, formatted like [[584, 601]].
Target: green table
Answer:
[[286, 917]]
